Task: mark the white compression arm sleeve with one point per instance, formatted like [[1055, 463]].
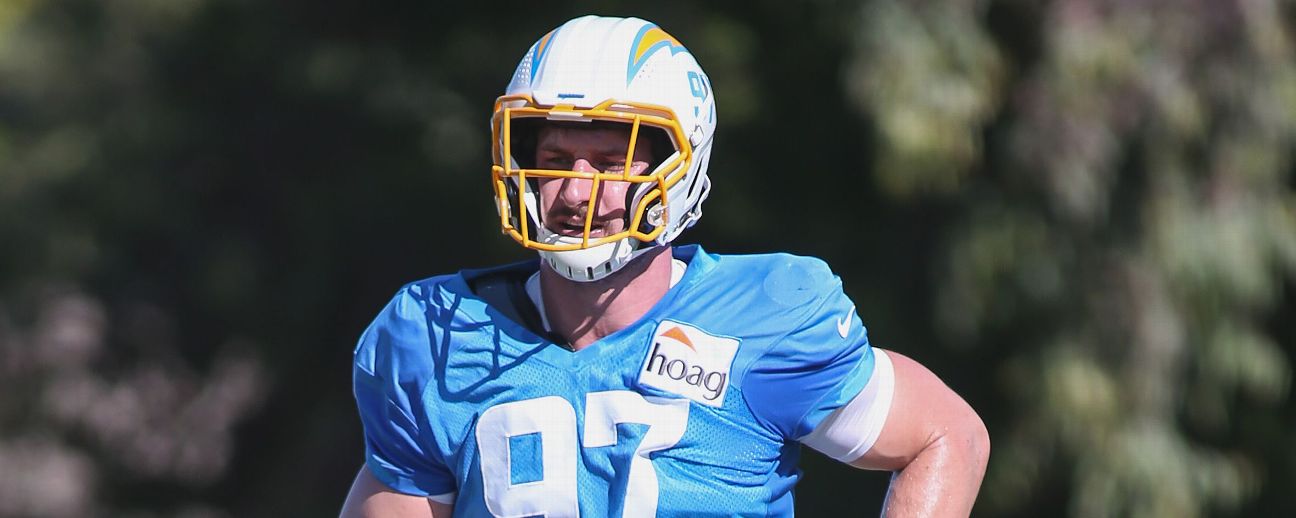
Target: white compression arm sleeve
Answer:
[[850, 431]]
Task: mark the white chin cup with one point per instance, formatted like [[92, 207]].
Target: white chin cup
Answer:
[[593, 263]]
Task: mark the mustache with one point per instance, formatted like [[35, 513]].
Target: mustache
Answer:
[[567, 213]]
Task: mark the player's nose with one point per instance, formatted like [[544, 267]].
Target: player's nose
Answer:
[[583, 166], [576, 191]]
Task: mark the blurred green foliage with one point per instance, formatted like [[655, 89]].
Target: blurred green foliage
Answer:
[[1080, 213]]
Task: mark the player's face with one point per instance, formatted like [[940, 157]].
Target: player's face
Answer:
[[564, 202]]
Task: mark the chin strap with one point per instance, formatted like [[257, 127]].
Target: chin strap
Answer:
[[596, 263]]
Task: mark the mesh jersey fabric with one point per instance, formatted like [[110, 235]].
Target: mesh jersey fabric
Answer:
[[438, 362]]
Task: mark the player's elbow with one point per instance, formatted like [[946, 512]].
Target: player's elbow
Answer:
[[969, 439], [980, 442]]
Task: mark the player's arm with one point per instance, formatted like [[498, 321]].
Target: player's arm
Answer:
[[404, 474], [824, 385], [369, 498], [933, 441]]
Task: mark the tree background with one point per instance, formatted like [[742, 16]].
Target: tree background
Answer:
[[1080, 213]]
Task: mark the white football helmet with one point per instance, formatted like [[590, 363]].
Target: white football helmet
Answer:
[[622, 70]]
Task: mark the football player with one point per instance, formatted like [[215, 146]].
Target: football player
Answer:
[[619, 375]]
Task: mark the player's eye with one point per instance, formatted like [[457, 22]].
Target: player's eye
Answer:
[[619, 166], [553, 161]]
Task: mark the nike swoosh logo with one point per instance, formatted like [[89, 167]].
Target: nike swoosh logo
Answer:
[[843, 326]]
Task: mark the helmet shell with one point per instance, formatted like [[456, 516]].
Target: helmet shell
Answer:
[[591, 63]]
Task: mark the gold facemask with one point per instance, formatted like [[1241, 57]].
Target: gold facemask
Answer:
[[650, 202]]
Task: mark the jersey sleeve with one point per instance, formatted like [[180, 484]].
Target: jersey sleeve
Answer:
[[393, 365], [822, 362], [850, 431]]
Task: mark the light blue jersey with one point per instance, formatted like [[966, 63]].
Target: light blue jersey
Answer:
[[694, 410]]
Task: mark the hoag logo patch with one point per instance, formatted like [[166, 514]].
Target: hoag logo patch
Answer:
[[690, 362]]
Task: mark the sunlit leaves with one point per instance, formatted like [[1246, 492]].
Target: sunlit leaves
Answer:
[[928, 76], [1134, 233]]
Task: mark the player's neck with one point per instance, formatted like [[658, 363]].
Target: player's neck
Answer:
[[584, 312]]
